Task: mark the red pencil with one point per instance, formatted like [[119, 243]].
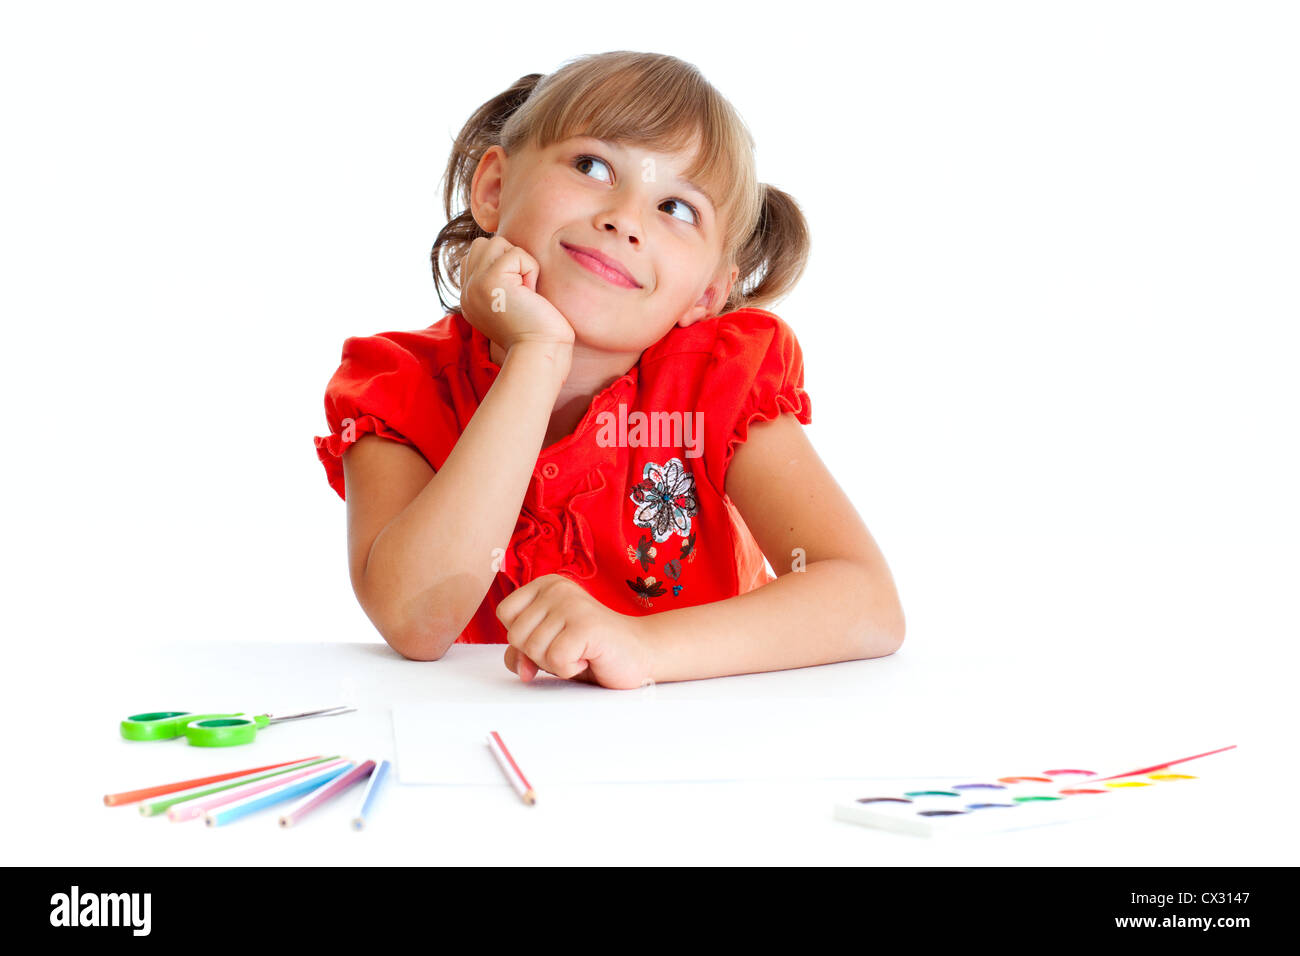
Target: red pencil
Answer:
[[133, 796], [512, 771]]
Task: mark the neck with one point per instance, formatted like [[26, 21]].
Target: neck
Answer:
[[590, 372]]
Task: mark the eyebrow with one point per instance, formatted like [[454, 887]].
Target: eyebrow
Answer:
[[682, 182]]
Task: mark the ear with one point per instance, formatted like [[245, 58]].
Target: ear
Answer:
[[485, 189], [713, 298]]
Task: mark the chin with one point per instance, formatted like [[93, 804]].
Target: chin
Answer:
[[606, 337], [596, 322]]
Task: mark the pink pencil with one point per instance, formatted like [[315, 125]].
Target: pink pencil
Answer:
[[331, 789], [195, 808]]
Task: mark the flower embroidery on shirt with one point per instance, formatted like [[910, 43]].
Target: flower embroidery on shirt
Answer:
[[665, 499], [688, 548], [644, 552], [673, 569], [646, 589]]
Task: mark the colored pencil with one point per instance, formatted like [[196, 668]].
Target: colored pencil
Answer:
[[197, 808], [367, 798], [327, 792], [224, 815], [133, 796], [511, 769], [155, 807]]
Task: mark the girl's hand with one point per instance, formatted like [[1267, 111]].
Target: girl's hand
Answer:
[[552, 624], [499, 297]]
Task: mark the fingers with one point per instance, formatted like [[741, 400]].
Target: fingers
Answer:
[[526, 621], [497, 254], [510, 607], [513, 604], [533, 630], [531, 624], [471, 261], [517, 261], [527, 669], [481, 258], [540, 644], [518, 664], [534, 617], [555, 650], [484, 251]]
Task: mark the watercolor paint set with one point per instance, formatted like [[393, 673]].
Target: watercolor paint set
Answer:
[[932, 808]]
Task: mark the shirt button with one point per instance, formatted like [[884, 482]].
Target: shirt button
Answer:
[[550, 470], [546, 531]]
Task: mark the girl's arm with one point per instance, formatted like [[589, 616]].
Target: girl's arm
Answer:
[[843, 606], [419, 543]]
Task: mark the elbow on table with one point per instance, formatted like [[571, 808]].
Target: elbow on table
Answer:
[[897, 635], [420, 643], [886, 639], [897, 626], [878, 618], [419, 629]]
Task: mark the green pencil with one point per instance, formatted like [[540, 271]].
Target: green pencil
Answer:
[[160, 806]]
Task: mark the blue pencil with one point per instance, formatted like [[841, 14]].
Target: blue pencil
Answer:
[[225, 815], [367, 798]]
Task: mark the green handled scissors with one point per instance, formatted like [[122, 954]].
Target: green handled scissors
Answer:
[[210, 730]]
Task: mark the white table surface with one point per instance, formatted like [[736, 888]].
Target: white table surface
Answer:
[[979, 705]]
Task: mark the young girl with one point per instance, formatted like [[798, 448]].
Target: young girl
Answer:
[[590, 456]]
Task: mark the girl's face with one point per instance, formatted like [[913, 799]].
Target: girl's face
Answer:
[[661, 236]]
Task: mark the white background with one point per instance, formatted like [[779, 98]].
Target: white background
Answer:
[[1048, 322]]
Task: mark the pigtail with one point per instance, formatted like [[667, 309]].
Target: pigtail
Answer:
[[774, 256], [482, 131]]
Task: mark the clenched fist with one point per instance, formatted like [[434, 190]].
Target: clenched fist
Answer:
[[499, 297], [553, 624]]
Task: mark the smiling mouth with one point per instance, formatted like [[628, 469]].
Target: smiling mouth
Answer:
[[592, 264]]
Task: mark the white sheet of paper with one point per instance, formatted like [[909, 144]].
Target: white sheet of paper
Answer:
[[574, 737], [581, 741]]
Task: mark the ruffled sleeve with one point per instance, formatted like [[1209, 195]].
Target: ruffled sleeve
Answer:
[[381, 387], [756, 374]]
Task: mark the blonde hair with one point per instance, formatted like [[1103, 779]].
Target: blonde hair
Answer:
[[647, 99]]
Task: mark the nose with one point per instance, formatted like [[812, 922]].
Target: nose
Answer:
[[621, 218]]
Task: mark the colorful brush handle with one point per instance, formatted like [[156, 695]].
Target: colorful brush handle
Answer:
[[163, 725]]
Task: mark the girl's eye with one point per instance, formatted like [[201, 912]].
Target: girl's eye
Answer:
[[584, 165], [695, 217], [586, 161]]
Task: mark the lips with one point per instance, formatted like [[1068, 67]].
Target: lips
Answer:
[[602, 265]]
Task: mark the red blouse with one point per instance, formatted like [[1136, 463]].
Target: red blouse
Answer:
[[632, 504]]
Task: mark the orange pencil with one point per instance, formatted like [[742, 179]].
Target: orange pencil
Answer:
[[133, 796]]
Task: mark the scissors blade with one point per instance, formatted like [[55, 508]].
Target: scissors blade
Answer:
[[325, 712]]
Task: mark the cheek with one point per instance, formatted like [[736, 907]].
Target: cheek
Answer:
[[557, 201], [533, 216], [683, 288]]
